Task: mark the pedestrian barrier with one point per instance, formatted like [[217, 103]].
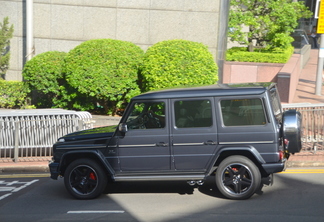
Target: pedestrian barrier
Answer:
[[30, 134], [312, 125]]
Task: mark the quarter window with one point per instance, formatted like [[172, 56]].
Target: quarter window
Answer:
[[193, 113], [243, 112]]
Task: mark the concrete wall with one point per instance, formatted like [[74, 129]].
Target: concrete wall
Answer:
[[63, 24], [288, 78], [245, 72]]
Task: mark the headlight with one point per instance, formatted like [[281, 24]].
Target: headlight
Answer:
[[61, 140]]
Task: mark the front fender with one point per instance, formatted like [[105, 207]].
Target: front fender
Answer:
[[70, 156]]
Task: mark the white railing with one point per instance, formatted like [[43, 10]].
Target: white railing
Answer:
[[312, 125], [30, 134]]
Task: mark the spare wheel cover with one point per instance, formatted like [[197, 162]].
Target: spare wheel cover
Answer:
[[292, 130]]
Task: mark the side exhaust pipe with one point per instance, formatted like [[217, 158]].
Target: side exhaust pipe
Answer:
[[194, 182]]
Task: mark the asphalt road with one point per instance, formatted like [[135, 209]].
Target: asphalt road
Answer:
[[297, 195]]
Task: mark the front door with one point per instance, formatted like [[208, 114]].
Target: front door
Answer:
[[145, 146]]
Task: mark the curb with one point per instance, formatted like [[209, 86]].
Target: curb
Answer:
[[26, 169], [305, 164]]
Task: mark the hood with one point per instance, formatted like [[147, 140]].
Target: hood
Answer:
[[100, 132]]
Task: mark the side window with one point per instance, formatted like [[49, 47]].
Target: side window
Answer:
[[146, 115], [243, 112], [193, 113]]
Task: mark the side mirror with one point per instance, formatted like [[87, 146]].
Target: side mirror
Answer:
[[122, 127]]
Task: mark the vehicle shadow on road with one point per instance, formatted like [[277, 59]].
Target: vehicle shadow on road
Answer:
[[179, 187], [209, 188]]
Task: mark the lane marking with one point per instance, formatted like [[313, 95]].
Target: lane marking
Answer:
[[24, 186], [6, 187], [4, 196], [301, 171], [97, 212]]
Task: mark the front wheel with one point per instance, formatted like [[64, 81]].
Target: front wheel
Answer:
[[85, 179], [237, 177]]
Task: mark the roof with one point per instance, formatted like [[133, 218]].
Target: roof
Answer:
[[205, 91]]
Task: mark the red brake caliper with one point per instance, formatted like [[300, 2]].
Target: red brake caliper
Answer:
[[92, 176]]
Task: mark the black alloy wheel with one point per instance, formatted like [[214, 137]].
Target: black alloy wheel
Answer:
[[85, 179], [238, 178]]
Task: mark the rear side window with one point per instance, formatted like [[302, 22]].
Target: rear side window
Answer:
[[243, 112], [193, 113]]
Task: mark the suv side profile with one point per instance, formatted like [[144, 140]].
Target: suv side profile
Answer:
[[238, 135]]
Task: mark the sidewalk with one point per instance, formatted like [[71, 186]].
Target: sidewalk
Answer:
[[305, 93]]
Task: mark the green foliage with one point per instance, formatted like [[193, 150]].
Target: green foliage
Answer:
[[43, 75], [270, 22], [5, 36], [241, 54], [177, 63], [13, 94], [105, 70]]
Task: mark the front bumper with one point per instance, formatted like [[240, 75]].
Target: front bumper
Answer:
[[54, 170]]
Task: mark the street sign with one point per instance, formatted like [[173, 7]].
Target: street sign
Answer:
[[320, 22]]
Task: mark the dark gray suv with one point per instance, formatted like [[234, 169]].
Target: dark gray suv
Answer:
[[238, 135]]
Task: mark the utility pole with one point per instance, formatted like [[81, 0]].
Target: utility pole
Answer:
[[319, 13], [29, 31], [320, 63]]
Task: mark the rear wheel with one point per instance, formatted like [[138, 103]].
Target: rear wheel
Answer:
[[85, 179], [238, 178]]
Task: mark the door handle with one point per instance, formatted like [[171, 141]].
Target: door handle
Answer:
[[210, 142], [161, 144]]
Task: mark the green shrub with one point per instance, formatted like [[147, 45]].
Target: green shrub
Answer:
[[175, 63], [241, 54], [105, 70], [13, 94], [43, 75]]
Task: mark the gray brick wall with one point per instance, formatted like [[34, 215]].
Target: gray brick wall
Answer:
[[63, 24]]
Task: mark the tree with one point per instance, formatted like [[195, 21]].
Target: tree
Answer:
[[5, 36], [105, 70], [269, 22], [174, 63]]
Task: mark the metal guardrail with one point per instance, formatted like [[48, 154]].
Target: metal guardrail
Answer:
[[30, 134], [312, 125]]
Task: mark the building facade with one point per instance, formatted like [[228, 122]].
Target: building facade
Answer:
[[60, 25]]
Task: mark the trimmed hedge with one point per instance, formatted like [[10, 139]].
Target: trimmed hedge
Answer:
[[43, 74], [241, 54], [13, 94], [175, 63], [105, 70]]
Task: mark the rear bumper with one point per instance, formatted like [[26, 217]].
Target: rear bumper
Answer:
[[275, 167], [53, 167]]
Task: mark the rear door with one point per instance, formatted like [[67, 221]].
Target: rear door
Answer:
[[245, 122], [193, 133]]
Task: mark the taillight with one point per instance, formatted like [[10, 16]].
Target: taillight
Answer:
[[286, 142], [281, 154]]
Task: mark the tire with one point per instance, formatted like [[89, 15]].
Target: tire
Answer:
[[238, 178], [85, 179]]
